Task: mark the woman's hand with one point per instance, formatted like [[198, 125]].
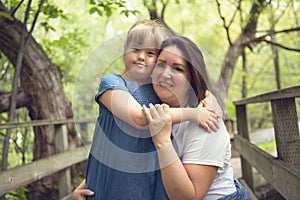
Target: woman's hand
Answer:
[[80, 193], [160, 124]]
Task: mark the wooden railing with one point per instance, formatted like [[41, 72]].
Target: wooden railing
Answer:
[[283, 171], [20, 176]]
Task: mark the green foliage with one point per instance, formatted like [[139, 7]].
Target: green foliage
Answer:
[[21, 140], [64, 51], [6, 15], [6, 75], [128, 12], [108, 7], [11, 3], [230, 109], [17, 194], [267, 146], [50, 12]]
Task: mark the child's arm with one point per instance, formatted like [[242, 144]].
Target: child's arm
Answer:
[[124, 106]]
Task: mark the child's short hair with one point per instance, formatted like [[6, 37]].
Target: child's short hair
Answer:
[[148, 29]]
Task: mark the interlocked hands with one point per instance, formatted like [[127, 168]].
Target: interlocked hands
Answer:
[[160, 124]]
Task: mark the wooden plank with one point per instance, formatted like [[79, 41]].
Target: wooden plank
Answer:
[[284, 178], [278, 94], [45, 122], [62, 145], [286, 129], [13, 178], [252, 195], [242, 126]]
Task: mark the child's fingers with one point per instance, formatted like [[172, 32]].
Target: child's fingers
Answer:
[[153, 110], [204, 126], [160, 109], [166, 109], [213, 124], [86, 192]]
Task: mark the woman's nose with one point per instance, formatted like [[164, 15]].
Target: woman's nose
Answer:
[[167, 72]]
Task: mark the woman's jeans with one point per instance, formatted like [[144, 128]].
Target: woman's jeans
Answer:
[[240, 194]]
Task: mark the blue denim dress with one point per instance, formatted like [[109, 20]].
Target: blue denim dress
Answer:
[[122, 163]]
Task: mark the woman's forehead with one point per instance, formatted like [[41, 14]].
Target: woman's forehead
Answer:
[[171, 52]]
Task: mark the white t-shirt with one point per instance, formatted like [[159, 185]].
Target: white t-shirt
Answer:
[[196, 146]]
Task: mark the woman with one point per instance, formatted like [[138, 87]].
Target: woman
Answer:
[[194, 164]]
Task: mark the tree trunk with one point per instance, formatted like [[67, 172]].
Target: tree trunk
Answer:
[[41, 82], [236, 50], [275, 51]]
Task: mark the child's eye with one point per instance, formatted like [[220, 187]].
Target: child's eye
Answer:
[[135, 49], [151, 53]]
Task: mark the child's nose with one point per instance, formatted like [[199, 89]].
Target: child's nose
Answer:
[[141, 55]]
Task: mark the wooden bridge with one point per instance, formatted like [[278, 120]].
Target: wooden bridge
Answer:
[[282, 171]]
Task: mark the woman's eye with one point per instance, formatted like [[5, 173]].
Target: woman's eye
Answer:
[[178, 69], [160, 65]]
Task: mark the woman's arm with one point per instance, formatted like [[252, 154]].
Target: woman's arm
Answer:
[[124, 106], [188, 181]]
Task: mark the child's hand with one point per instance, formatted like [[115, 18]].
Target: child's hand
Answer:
[[160, 124], [211, 102], [207, 118], [80, 193]]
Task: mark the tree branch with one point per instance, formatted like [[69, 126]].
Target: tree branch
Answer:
[[34, 21], [21, 100], [16, 8], [262, 38], [224, 22], [276, 32], [281, 46], [163, 9]]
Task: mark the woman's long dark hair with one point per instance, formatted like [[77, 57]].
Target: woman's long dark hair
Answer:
[[196, 65]]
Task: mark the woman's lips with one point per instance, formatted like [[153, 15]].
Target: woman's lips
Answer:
[[165, 84]]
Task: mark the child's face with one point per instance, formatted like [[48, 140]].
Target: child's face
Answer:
[[139, 62]]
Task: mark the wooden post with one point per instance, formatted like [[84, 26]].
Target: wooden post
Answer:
[[286, 131], [242, 126], [64, 176], [84, 133]]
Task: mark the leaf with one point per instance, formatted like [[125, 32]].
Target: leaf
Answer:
[[6, 15], [95, 9]]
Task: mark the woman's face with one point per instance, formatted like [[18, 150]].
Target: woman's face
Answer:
[[171, 77]]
